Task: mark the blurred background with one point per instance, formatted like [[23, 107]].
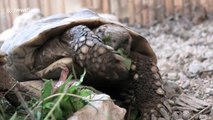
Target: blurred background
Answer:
[[141, 12], [179, 31]]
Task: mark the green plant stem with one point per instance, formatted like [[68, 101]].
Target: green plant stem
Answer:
[[23, 103], [54, 107]]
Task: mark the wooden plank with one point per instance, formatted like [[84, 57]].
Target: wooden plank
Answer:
[[62, 6], [14, 5], [33, 4], [152, 12], [123, 15], [131, 12], [4, 16], [193, 3], [145, 13], [204, 3], [47, 8], [97, 5], [54, 7], [39, 4], [169, 5], [138, 13], [106, 6], [160, 10], [9, 13], [187, 8], [88, 3], [19, 5], [115, 7], [178, 4], [210, 6], [24, 4]]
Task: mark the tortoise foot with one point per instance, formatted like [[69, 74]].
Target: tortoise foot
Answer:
[[158, 100], [89, 51], [148, 88]]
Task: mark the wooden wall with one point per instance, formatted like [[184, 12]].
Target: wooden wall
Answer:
[[143, 12]]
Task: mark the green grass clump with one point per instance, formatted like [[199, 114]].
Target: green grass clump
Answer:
[[54, 104]]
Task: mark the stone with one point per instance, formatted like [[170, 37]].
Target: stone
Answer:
[[186, 115], [195, 67], [186, 84], [209, 91], [203, 117], [101, 107]]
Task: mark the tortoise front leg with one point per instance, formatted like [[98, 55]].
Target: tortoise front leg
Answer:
[[157, 99], [147, 82], [100, 60]]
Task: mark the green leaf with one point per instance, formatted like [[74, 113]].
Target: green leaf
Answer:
[[66, 106], [48, 105], [14, 116], [38, 115], [47, 89], [133, 115], [58, 113], [70, 77], [127, 62], [81, 79], [106, 39], [78, 104], [85, 92]]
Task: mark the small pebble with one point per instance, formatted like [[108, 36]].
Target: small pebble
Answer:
[[186, 115], [209, 91], [186, 84], [203, 117], [173, 76], [211, 112]]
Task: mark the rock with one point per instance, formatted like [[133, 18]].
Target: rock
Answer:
[[186, 84], [173, 76], [194, 68], [209, 91], [102, 108], [186, 115], [211, 112], [203, 117]]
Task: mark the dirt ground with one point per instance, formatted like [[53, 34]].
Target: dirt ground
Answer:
[[185, 55]]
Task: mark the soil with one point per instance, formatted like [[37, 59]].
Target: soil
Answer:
[[185, 55]]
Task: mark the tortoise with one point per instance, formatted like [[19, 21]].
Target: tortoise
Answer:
[[77, 40]]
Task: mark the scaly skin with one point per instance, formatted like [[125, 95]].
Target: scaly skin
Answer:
[[8, 84], [100, 60], [149, 93], [154, 98]]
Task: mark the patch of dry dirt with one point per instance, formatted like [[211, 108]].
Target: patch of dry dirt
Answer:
[[185, 55]]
